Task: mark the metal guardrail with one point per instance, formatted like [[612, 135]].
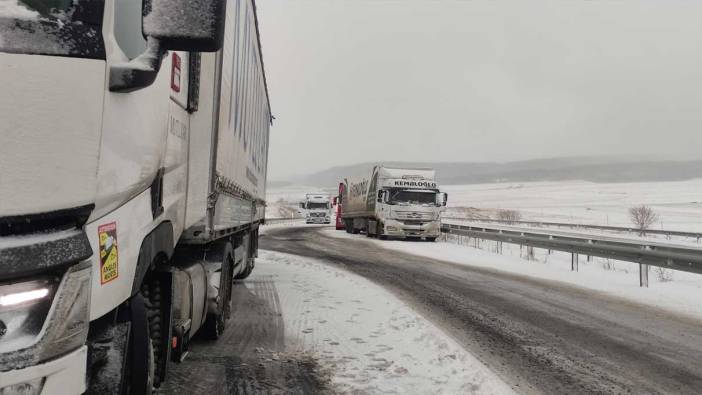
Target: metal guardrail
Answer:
[[694, 235], [687, 259]]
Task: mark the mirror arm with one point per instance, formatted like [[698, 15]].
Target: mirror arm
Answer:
[[140, 72]]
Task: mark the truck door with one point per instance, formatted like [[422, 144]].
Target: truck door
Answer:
[[175, 177]]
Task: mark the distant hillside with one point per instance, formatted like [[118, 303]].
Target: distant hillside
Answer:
[[594, 169]]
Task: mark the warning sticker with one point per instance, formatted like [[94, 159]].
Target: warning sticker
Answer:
[[109, 266]]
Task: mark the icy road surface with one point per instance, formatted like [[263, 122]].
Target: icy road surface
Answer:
[[301, 326], [538, 335]]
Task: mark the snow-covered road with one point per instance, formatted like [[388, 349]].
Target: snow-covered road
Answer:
[[302, 326], [538, 335]]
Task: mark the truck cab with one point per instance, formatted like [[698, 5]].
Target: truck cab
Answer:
[[317, 208], [408, 212], [120, 226]]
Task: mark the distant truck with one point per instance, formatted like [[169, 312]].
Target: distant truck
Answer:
[[317, 208], [393, 202]]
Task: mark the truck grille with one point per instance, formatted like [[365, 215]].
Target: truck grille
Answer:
[[414, 216], [54, 221], [316, 214]]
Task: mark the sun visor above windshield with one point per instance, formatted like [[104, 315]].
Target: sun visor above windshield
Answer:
[[408, 183]]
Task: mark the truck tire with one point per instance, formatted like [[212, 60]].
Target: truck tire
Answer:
[[152, 293], [140, 373], [431, 239], [246, 272], [216, 323], [348, 225], [126, 342]]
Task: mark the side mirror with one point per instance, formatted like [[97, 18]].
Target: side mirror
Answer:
[[441, 199], [381, 196], [185, 25], [302, 205], [335, 201], [179, 25]]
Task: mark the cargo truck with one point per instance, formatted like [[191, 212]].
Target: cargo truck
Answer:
[[133, 156], [393, 202], [317, 208]]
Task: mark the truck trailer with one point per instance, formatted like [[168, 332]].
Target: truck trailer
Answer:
[[317, 208], [133, 157], [393, 202]]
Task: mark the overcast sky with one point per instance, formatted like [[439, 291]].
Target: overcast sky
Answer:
[[355, 80]]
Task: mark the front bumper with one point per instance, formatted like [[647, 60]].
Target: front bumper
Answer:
[[63, 375], [395, 228], [318, 220]]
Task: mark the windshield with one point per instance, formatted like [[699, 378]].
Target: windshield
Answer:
[[317, 206], [52, 27], [411, 197]]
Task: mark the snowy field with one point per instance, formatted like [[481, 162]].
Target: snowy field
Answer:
[[680, 294], [678, 204], [366, 339]]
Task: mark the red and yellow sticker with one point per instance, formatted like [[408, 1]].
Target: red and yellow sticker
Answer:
[[109, 261]]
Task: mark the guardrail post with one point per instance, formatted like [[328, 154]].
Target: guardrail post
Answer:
[[643, 275], [574, 262]]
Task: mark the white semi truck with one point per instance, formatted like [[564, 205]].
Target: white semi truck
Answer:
[[317, 208], [393, 202], [133, 156]]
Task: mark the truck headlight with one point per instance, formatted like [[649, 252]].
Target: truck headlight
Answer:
[[23, 310], [32, 387], [44, 317]]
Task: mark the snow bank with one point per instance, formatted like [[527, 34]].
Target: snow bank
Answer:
[[369, 340], [616, 278]]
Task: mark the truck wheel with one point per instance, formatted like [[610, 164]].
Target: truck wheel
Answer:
[[152, 293], [140, 374], [216, 323], [349, 226], [246, 272], [431, 239]]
